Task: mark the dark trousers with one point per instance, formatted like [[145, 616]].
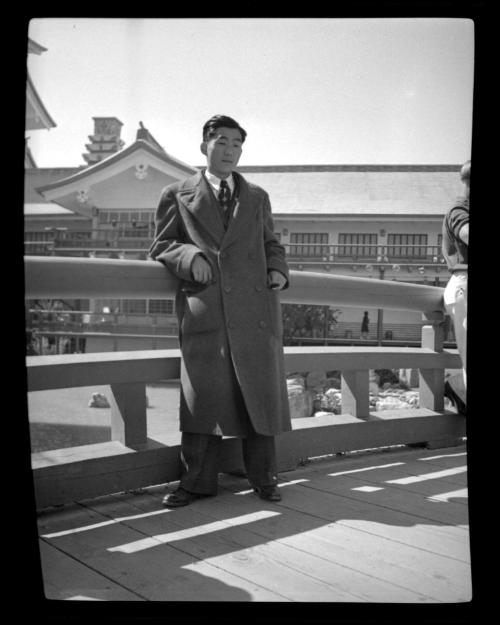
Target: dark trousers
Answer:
[[199, 456]]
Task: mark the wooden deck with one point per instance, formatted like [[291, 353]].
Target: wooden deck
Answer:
[[389, 526]]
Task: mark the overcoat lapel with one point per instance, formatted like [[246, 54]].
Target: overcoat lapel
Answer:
[[196, 196], [244, 208]]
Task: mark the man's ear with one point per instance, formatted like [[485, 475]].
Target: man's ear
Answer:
[[203, 147]]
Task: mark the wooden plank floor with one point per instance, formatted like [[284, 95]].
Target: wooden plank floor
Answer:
[[389, 526]]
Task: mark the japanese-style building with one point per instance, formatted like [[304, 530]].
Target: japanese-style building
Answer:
[[378, 221]]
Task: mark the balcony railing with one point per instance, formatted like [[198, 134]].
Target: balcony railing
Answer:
[[347, 253], [133, 460], [114, 241]]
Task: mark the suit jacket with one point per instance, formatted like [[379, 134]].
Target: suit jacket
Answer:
[[231, 330]]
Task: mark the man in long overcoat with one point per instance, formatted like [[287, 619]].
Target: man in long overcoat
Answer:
[[214, 231]]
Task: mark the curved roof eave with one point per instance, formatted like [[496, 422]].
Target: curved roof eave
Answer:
[[49, 122], [113, 159], [34, 47]]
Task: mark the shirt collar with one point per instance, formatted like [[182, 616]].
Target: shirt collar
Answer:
[[215, 181]]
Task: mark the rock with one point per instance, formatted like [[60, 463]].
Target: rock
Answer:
[[409, 377], [393, 399], [300, 401], [296, 380], [329, 401], [316, 380], [98, 401]]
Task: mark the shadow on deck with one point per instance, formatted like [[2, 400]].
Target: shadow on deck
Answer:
[[390, 526]]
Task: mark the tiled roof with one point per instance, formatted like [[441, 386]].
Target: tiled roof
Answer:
[[327, 189], [40, 176], [358, 189]]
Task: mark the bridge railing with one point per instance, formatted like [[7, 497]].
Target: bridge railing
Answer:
[[131, 459]]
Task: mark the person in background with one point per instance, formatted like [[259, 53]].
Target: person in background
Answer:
[[455, 245], [365, 326], [214, 231]]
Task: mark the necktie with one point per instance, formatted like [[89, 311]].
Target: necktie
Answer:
[[224, 195]]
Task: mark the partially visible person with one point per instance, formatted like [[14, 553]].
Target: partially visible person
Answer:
[[455, 245], [31, 349], [365, 326]]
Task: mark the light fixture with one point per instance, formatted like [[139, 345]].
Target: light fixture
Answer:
[[396, 267]]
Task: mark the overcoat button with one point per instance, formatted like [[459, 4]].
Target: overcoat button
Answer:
[[258, 287], [262, 324], [227, 289], [222, 254]]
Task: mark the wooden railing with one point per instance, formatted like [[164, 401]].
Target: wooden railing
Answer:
[[133, 460]]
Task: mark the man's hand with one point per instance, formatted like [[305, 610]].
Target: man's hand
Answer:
[[201, 270], [275, 280]]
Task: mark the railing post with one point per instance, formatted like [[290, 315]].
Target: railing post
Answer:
[[355, 388], [128, 413], [431, 381]]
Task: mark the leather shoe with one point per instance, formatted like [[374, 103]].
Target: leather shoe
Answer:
[[179, 498], [268, 493]]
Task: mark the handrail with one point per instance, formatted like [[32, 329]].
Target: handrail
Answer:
[[67, 277], [132, 459]]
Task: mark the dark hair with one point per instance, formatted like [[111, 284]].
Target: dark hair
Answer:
[[465, 172], [221, 121]]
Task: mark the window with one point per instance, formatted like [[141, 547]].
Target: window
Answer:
[[131, 306], [161, 307], [407, 246], [309, 244], [126, 217], [357, 245], [39, 236]]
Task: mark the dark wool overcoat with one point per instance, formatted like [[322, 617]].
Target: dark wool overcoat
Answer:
[[231, 330]]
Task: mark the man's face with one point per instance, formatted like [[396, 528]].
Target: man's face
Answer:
[[223, 151]]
